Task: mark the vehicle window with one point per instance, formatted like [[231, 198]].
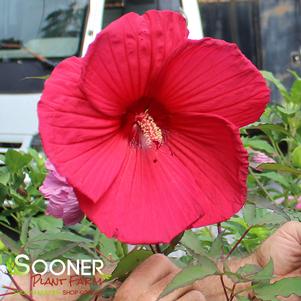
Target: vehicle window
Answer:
[[116, 8], [52, 29]]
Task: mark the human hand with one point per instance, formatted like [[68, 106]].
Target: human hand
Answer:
[[148, 281], [284, 247]]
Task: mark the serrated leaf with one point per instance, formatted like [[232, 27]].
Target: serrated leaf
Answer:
[[127, 264], [191, 274], [249, 213], [284, 287], [47, 223], [233, 276], [59, 252], [247, 271], [266, 273], [191, 241], [293, 214], [263, 203], [216, 247], [270, 219]]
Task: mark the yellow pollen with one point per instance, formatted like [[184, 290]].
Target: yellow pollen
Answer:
[[150, 130]]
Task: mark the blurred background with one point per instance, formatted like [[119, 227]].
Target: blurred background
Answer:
[[35, 35]]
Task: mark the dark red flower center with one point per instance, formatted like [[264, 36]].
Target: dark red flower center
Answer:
[[146, 124], [152, 134]]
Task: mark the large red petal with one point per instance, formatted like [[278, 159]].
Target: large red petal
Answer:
[[153, 199], [210, 147], [126, 55], [213, 76], [84, 145], [198, 177]]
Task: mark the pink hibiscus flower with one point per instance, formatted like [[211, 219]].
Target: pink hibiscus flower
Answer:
[[257, 158], [145, 127], [62, 201]]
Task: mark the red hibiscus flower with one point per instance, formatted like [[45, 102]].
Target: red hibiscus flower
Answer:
[[145, 127]]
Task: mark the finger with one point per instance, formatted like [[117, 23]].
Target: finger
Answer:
[[293, 228], [159, 287], [153, 270], [142, 279], [192, 296]]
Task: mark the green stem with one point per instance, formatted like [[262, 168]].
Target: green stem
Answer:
[[260, 185], [9, 227], [279, 152], [239, 241]]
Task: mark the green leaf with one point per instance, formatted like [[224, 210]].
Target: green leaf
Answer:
[[216, 247], [249, 213], [4, 175], [3, 192], [15, 160], [266, 127], [47, 223], [263, 203], [270, 219], [287, 110], [296, 92], [190, 274], [127, 264], [258, 145], [24, 230], [42, 77], [191, 241], [271, 78], [109, 292], [280, 168], [284, 287], [276, 177], [294, 73], [266, 273], [293, 214], [233, 276], [247, 271], [58, 252], [9, 243], [65, 236]]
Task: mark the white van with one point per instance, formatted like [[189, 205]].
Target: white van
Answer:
[[37, 34]]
